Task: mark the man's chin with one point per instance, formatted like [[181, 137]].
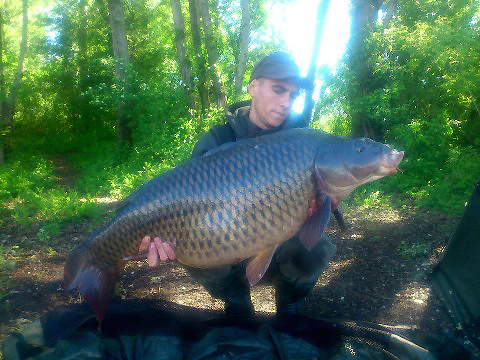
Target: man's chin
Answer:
[[276, 120]]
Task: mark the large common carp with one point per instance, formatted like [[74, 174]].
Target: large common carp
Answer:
[[237, 202]]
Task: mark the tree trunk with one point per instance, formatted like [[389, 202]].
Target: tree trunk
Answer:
[[83, 111], [198, 58], [321, 16], [391, 7], [364, 14], [7, 105], [212, 52], [3, 94], [179, 30], [122, 59], [244, 42]]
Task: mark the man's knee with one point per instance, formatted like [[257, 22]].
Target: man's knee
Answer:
[[222, 281], [294, 261]]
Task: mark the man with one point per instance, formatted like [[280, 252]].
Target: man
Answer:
[[274, 84]]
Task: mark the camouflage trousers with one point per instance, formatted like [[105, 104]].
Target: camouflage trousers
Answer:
[[294, 271]]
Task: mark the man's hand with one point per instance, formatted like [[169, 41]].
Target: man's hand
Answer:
[[157, 249]]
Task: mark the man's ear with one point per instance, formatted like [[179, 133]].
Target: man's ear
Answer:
[[251, 87]]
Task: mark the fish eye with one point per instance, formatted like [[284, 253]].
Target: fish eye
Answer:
[[360, 148]]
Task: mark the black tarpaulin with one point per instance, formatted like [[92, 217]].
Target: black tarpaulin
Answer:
[[456, 278], [150, 329]]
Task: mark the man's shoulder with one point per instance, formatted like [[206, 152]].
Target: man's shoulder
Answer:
[[224, 133], [216, 136]]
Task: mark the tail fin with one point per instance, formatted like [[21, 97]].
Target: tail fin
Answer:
[[95, 285]]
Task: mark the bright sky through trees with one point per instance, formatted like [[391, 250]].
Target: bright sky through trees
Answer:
[[295, 21]]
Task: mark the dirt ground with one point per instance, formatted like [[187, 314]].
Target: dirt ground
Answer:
[[379, 274]]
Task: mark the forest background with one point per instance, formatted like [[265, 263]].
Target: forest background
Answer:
[[120, 90]]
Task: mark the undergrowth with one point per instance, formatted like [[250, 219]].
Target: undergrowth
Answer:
[[445, 189], [30, 192]]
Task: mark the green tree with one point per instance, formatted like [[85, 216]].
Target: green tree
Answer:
[[244, 42], [122, 60], [362, 81], [212, 52], [179, 30], [198, 58], [7, 100]]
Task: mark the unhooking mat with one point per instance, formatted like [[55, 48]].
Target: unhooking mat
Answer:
[[153, 329]]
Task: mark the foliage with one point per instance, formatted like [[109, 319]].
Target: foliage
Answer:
[[29, 193], [116, 175], [47, 231], [21, 182]]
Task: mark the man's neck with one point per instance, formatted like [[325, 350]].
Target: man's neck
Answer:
[[254, 118]]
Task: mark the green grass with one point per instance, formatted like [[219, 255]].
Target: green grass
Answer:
[[413, 251]]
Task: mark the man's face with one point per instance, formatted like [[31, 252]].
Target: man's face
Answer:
[[271, 101]]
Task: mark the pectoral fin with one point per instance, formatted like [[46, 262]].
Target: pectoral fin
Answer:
[[315, 225], [257, 267]]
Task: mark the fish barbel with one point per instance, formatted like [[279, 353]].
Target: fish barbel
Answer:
[[238, 201]]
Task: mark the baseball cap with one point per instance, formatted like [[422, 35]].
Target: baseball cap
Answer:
[[279, 66]]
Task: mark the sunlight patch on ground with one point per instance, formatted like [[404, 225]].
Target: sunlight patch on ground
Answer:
[[263, 298], [376, 213], [418, 295], [100, 200], [414, 299], [356, 236], [172, 284], [175, 285], [12, 204], [436, 254], [333, 271], [195, 297], [185, 293]]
